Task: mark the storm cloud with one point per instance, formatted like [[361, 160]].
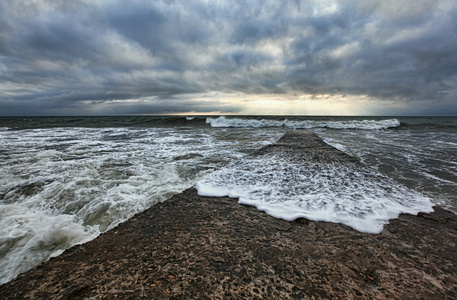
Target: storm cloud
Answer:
[[150, 57]]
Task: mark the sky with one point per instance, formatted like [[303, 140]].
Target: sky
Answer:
[[306, 57]]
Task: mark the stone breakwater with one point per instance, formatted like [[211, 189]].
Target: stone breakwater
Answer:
[[193, 247]]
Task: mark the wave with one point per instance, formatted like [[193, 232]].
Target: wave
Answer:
[[292, 122], [357, 196], [304, 124]]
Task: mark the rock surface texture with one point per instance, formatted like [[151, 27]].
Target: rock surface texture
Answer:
[[193, 247]]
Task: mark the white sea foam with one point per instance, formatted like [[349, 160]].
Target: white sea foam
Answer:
[[54, 199], [304, 124], [63, 186], [423, 160], [30, 236], [363, 199]]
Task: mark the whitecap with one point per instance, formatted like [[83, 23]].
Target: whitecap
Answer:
[[303, 124]]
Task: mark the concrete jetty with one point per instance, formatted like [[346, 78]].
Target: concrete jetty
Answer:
[[193, 247]]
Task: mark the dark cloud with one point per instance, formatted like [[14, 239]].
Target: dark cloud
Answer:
[[107, 57]]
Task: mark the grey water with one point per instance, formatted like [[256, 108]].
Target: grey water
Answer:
[[65, 180]]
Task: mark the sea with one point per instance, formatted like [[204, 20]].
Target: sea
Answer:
[[66, 180]]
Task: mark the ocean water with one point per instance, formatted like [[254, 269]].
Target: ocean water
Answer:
[[65, 180]]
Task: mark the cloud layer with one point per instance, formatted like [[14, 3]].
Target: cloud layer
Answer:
[[117, 57]]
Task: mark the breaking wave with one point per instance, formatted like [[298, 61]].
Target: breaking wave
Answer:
[[304, 124]]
